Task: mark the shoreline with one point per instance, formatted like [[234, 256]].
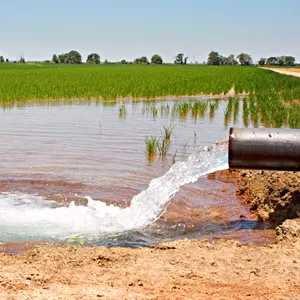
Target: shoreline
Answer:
[[62, 101]]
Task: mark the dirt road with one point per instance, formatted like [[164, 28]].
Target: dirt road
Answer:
[[293, 72]]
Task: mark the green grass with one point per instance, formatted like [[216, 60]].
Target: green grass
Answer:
[[271, 101]]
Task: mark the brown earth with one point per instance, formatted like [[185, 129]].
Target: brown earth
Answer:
[[185, 269], [272, 195], [178, 270]]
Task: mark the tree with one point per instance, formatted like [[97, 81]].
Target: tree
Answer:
[[272, 61], [179, 59], [281, 61], [223, 60], [230, 60], [141, 61], [22, 60], [73, 57], [123, 62], [7, 60], [1, 59], [144, 60], [214, 58], [156, 59], [62, 58], [262, 61], [93, 58], [244, 59], [289, 60], [55, 59]]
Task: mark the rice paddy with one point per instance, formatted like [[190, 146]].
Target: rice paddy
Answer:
[[272, 99]]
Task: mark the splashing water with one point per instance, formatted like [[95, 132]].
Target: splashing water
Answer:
[[30, 217]]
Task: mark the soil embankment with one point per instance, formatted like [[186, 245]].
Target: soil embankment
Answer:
[[274, 196]]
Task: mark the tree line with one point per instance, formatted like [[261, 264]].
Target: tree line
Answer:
[[74, 57], [214, 58], [244, 59], [278, 61]]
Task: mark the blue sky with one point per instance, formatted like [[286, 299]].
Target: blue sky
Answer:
[[126, 29]]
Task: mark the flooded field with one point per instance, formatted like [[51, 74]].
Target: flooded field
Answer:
[[54, 155]]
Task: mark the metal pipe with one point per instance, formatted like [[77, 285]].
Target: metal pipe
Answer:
[[264, 149]]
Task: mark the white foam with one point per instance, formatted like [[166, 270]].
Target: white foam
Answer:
[[30, 217]]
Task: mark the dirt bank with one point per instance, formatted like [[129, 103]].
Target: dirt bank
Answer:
[[178, 270], [286, 71], [273, 196]]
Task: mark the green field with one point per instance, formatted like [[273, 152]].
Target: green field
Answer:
[[271, 95]]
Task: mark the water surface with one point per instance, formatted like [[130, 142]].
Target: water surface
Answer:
[[53, 155]]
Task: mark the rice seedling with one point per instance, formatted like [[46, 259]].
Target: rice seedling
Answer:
[[168, 132], [245, 113], [122, 110], [236, 107], [153, 110], [164, 109], [183, 109], [151, 144], [55, 84], [212, 108], [228, 111], [163, 147]]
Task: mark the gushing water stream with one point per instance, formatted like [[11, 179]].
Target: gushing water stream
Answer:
[[30, 217]]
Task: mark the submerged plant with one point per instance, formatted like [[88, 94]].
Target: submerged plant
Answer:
[[163, 147], [173, 157]]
